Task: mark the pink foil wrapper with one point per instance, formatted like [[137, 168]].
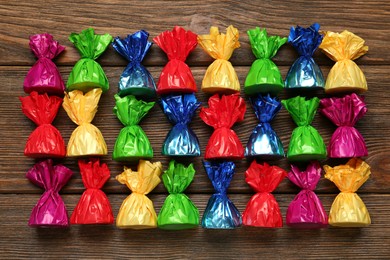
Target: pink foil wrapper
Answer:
[[306, 210], [44, 75], [50, 211], [346, 141]]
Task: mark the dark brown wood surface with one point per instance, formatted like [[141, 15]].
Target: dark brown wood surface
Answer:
[[19, 19]]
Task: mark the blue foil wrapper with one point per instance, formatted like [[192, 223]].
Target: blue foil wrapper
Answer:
[[264, 142], [181, 140], [305, 73], [135, 79], [220, 212]]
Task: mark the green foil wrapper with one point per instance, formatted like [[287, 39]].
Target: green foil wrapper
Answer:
[[132, 143], [178, 211]]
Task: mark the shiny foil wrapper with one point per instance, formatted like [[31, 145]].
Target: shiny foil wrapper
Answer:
[[305, 73], [93, 206], [346, 141], [45, 140], [135, 79], [220, 212], [181, 140], [264, 76], [178, 211], [345, 75], [86, 139], [44, 76], [137, 210], [222, 114], [262, 209], [306, 210], [348, 209], [220, 75], [87, 73], [176, 76], [50, 210], [306, 143], [132, 143], [264, 142]]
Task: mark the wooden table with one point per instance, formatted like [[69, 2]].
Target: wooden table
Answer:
[[19, 19]]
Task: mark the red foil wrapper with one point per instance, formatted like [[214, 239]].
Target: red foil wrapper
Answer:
[[262, 209], [222, 114], [93, 206], [45, 140]]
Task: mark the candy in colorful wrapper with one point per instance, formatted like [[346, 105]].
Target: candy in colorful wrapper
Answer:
[[220, 212], [135, 79], [348, 210], [137, 210], [220, 75], [262, 209], [345, 75], [306, 210], [264, 76], [222, 114], [50, 210], [87, 73], [44, 76], [81, 108], [178, 211], [176, 76], [306, 143], [132, 142], [93, 206], [264, 142], [181, 140], [305, 73], [346, 141], [45, 140]]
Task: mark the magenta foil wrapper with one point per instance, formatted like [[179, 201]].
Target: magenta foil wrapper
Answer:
[[44, 75], [50, 210], [306, 210], [346, 141]]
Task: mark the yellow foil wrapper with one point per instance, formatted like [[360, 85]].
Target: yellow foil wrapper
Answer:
[[137, 210], [345, 75], [86, 139], [348, 210], [220, 75]]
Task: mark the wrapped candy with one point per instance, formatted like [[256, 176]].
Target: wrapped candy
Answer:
[[220, 212], [220, 75], [87, 73], [178, 211], [221, 114], [44, 76], [305, 73], [81, 108], [262, 209], [306, 143], [348, 210], [264, 76], [93, 206], [50, 210], [135, 79], [306, 210], [176, 76], [137, 210], [264, 142], [132, 142], [346, 141], [181, 140], [45, 140], [345, 75]]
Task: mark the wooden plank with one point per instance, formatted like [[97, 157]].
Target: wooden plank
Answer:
[[13, 165], [19, 19]]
